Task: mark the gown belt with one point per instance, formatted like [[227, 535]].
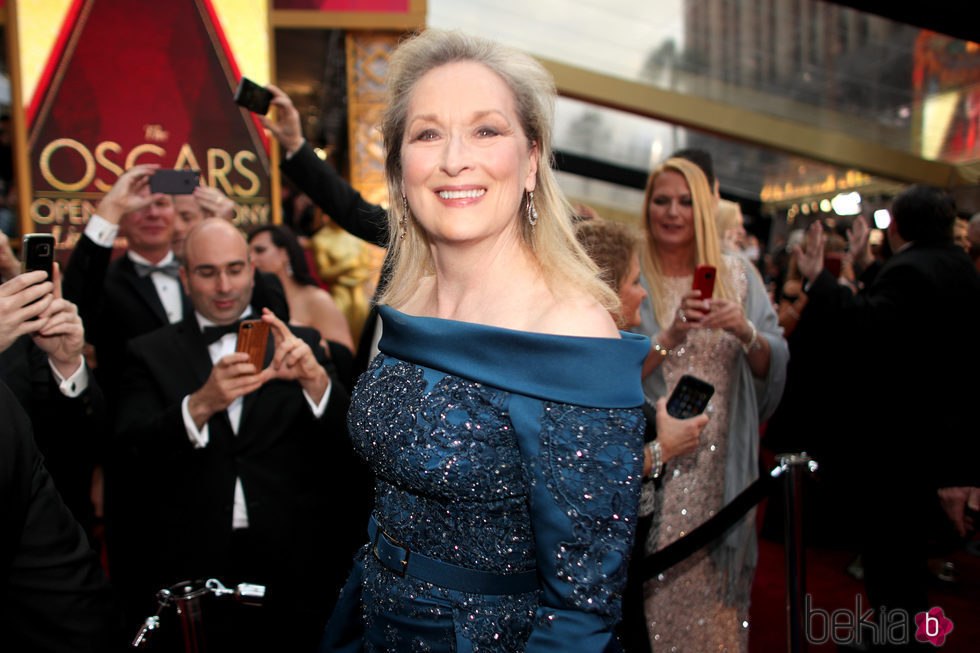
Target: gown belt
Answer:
[[404, 562]]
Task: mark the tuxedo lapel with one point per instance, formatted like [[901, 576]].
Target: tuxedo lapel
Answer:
[[144, 289], [191, 344]]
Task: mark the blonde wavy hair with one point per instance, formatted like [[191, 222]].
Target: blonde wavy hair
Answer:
[[707, 249], [552, 241]]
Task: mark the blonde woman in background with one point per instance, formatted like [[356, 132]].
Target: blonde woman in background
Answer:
[[734, 342]]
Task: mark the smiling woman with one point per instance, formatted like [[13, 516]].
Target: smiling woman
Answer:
[[733, 341], [501, 417]]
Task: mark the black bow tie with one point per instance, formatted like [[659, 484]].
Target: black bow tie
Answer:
[[213, 334], [170, 269]]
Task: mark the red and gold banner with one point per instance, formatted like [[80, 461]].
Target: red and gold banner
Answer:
[[106, 84]]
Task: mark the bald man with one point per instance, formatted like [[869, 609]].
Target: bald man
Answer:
[[239, 464]]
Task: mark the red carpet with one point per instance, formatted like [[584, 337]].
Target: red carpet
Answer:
[[831, 588]]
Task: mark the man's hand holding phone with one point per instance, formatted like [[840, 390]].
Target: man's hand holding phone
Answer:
[[231, 377], [131, 192], [22, 300], [294, 360], [62, 335], [286, 127]]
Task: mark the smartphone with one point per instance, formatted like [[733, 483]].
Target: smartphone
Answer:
[[38, 252], [174, 182], [253, 97], [833, 265], [252, 338], [704, 280], [689, 398]]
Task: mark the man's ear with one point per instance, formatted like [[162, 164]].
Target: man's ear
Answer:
[[183, 279]]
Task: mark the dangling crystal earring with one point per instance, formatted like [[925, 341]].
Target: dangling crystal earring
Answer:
[[532, 213], [404, 221]]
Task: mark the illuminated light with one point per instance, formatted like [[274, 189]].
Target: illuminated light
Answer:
[[882, 218], [825, 206], [321, 154], [846, 203], [805, 209]]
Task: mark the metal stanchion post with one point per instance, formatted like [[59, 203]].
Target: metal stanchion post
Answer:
[[188, 597], [792, 468]]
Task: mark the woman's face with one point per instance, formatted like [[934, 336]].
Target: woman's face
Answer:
[[266, 256], [466, 161], [671, 210], [631, 293]]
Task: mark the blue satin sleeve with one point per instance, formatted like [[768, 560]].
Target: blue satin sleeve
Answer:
[[584, 467]]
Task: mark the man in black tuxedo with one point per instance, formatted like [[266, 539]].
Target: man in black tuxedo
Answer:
[[238, 464], [121, 298], [913, 326]]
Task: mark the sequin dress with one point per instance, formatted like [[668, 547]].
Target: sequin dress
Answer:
[[502, 451], [684, 606]]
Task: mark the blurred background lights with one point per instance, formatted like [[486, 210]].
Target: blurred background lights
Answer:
[[846, 203], [882, 218]]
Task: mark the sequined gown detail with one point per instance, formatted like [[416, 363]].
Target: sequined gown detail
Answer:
[[487, 462], [684, 606]]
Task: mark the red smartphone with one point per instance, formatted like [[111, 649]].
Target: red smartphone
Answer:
[[704, 280]]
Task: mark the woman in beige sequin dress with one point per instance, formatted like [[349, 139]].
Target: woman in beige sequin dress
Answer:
[[734, 342]]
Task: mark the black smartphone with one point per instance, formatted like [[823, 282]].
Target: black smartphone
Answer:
[[253, 97], [38, 252], [689, 398], [174, 182]]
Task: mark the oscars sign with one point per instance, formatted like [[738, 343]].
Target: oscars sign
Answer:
[[107, 84]]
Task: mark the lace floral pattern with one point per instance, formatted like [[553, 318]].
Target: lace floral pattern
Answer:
[[592, 469], [454, 485]]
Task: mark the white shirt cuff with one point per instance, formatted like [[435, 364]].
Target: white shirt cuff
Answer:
[[319, 408], [199, 438], [75, 384], [101, 231]]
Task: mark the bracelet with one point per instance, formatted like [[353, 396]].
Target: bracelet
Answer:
[[660, 349], [753, 341], [656, 458]]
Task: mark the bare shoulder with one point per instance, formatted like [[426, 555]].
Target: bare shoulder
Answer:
[[318, 298], [577, 314]]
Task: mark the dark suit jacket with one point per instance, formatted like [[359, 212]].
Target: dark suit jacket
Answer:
[[292, 467], [336, 197], [915, 328], [55, 596], [68, 430]]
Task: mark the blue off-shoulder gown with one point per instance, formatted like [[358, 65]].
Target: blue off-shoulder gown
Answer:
[[502, 451]]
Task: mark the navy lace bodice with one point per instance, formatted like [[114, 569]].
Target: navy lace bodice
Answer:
[[501, 451]]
